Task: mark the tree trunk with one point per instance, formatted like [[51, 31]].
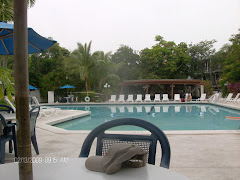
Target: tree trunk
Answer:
[[21, 88], [100, 86], [86, 83], [6, 63]]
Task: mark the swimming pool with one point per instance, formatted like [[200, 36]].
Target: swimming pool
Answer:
[[175, 117]]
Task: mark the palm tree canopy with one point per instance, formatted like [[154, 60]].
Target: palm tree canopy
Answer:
[[6, 9]]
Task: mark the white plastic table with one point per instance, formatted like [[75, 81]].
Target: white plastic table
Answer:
[[74, 169], [9, 116]]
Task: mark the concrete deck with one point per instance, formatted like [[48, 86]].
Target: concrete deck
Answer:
[[203, 155]]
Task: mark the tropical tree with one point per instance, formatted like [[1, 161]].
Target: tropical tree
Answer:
[[105, 70], [6, 9], [165, 60], [46, 69], [201, 54], [217, 65], [82, 61], [231, 70], [127, 61]]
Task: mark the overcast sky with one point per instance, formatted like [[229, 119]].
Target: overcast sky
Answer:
[[111, 23]]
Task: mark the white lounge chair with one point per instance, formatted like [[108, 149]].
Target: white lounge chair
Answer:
[[121, 98], [227, 99], [130, 98], [44, 110], [202, 97], [10, 103], [147, 98], [157, 98], [113, 98], [139, 98], [215, 97], [165, 98], [234, 100], [211, 98], [177, 98]]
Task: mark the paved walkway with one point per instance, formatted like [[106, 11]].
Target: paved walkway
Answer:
[[198, 156]]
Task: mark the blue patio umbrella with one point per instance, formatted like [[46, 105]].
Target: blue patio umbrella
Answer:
[[67, 86], [36, 43], [31, 87]]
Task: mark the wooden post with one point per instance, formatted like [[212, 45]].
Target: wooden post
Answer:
[[21, 88], [172, 92], [146, 88], [122, 90]]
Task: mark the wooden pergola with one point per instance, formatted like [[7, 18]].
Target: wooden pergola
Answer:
[[172, 82]]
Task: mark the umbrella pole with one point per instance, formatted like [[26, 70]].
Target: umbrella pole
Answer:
[[21, 88]]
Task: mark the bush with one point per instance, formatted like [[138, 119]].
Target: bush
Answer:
[[233, 88], [208, 88]]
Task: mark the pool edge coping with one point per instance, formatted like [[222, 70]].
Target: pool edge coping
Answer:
[[47, 125]]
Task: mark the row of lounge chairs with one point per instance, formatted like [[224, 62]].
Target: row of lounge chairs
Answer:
[[217, 97], [139, 98], [147, 98]]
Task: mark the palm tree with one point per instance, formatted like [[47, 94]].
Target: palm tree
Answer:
[[6, 9], [82, 62], [105, 70]]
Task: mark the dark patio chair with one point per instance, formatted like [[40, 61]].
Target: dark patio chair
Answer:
[[9, 134], [7, 109], [147, 142], [34, 112]]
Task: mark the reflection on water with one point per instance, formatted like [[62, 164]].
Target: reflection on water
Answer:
[[167, 117]]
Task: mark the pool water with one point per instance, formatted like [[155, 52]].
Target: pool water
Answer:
[[176, 117]]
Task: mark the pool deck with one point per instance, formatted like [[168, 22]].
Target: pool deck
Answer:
[[208, 155]]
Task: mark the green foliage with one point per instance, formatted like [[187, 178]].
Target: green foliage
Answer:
[[6, 9], [82, 62], [217, 64], [7, 80], [201, 54], [231, 71], [165, 60], [46, 69], [105, 70], [208, 87], [127, 63]]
